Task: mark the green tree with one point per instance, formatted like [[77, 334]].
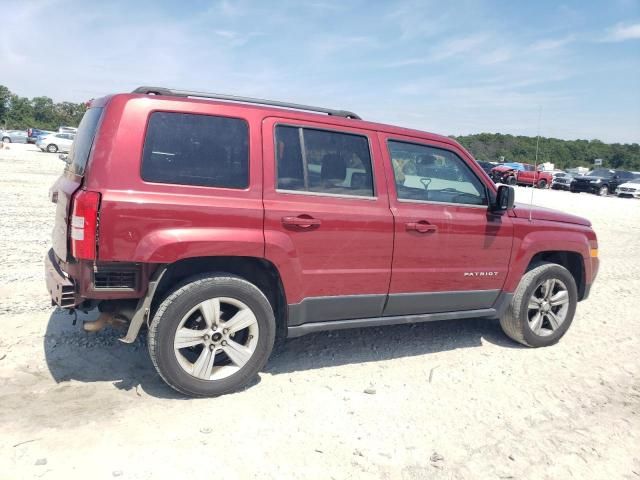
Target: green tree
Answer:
[[5, 97], [40, 112]]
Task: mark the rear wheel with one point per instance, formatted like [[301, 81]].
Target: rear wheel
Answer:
[[212, 335], [542, 307], [542, 183], [52, 148], [603, 191], [6, 140]]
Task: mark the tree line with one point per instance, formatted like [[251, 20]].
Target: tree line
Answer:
[[562, 153], [20, 113]]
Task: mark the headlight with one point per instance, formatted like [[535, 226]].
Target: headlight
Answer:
[[595, 181]]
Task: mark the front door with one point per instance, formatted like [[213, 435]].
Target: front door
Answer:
[[450, 252], [328, 228]]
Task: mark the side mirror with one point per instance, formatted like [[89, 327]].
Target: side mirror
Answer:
[[64, 157], [504, 199]]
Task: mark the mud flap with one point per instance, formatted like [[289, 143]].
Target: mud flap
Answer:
[[142, 309]]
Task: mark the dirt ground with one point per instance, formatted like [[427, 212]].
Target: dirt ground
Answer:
[[446, 400]]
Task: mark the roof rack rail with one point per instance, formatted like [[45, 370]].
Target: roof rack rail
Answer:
[[233, 98]]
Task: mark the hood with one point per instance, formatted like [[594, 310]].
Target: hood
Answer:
[[541, 213], [502, 168]]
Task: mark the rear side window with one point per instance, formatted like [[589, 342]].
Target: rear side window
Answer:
[[323, 161], [83, 140], [202, 150]]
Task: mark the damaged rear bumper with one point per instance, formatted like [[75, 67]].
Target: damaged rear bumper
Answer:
[[60, 286]]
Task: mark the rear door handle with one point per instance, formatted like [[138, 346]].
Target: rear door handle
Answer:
[[422, 227], [301, 221]]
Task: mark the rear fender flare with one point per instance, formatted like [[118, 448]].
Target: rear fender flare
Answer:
[[171, 245]]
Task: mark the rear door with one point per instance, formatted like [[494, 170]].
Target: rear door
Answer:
[[528, 175], [450, 253], [328, 227]]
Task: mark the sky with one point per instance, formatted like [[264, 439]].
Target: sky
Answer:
[[562, 69]]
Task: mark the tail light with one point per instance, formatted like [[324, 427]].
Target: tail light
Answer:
[[84, 225]]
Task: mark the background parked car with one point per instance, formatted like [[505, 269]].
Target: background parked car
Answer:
[[630, 189], [486, 166], [601, 181], [521, 174], [64, 129], [55, 142], [34, 133], [13, 136], [562, 181]]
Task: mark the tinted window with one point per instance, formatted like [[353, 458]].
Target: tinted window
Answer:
[[601, 172], [435, 175], [83, 140], [323, 161], [202, 150]]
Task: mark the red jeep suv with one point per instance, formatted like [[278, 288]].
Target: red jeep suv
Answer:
[[224, 223]]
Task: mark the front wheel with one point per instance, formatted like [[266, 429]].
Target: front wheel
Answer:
[[52, 148], [542, 183], [511, 180], [542, 307], [212, 335], [6, 140]]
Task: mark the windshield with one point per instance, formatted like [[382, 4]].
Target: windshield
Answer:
[[601, 172], [83, 140], [635, 180]]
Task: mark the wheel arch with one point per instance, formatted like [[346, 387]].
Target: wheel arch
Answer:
[[572, 261], [259, 271]]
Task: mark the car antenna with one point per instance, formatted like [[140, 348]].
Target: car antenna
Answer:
[[535, 166]]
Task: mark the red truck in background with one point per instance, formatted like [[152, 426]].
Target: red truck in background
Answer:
[[521, 174]]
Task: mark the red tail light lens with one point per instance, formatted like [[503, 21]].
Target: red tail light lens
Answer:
[[84, 225]]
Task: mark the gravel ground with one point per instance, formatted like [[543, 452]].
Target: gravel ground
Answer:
[[439, 400]]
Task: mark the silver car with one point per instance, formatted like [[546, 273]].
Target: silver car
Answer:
[[13, 136], [55, 142]]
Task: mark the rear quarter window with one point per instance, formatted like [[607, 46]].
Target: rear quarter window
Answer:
[[201, 150], [83, 140]]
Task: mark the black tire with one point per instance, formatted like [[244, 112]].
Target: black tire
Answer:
[[515, 321], [542, 183], [603, 191], [6, 140], [167, 319], [511, 180], [52, 148]]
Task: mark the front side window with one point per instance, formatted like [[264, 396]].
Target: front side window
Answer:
[[435, 175], [203, 150], [322, 161]]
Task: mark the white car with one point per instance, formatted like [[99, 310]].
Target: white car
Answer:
[[629, 189], [55, 142]]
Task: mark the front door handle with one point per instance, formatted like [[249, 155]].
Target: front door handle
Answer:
[[301, 221], [422, 227]]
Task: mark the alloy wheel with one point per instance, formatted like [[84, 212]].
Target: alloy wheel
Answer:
[[548, 307], [216, 338]]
